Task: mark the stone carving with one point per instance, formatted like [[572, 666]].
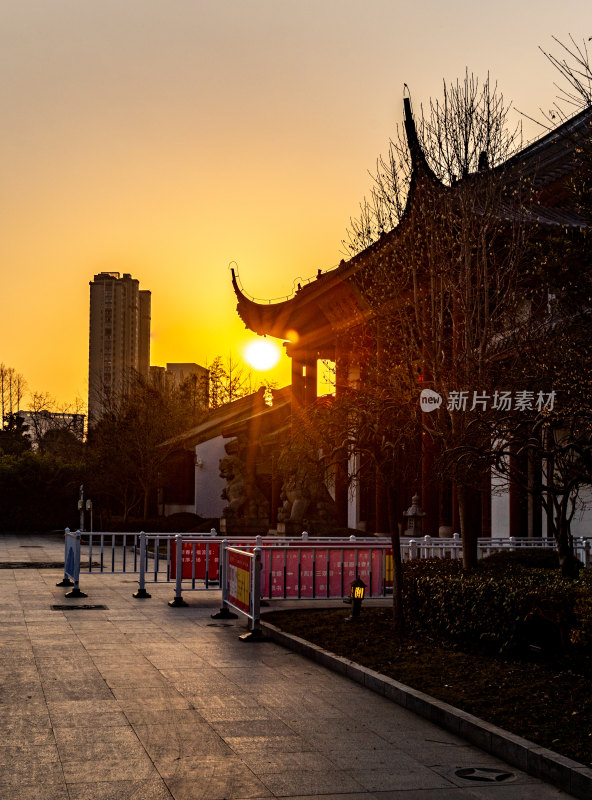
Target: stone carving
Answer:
[[306, 502], [245, 500]]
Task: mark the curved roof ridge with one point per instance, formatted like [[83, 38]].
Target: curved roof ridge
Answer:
[[421, 172]]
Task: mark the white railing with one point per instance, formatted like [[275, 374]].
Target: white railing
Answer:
[[303, 567]]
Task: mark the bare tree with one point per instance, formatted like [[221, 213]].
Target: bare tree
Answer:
[[572, 61], [462, 132], [132, 440], [12, 390], [47, 419]]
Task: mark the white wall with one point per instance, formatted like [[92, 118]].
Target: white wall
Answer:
[[500, 507], [581, 524], [208, 483]]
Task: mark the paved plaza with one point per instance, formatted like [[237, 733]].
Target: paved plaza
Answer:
[[140, 701]]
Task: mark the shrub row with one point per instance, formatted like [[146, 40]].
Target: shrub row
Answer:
[[503, 607]]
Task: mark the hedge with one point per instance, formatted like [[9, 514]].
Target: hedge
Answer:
[[499, 608]]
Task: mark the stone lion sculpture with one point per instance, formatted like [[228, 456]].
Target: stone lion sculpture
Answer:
[[244, 497], [235, 491]]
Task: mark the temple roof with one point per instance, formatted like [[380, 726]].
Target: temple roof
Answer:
[[220, 418], [331, 303]]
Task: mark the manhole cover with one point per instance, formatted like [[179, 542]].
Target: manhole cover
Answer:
[[79, 608], [220, 625], [484, 774]]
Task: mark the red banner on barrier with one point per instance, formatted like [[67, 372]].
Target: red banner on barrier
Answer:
[[206, 553], [307, 562], [312, 571], [239, 580]]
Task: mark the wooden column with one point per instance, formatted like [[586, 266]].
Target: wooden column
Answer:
[[518, 496], [298, 383], [276, 487], [341, 468], [486, 505], [429, 486], [310, 380]]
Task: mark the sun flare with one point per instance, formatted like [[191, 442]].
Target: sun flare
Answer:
[[262, 354]]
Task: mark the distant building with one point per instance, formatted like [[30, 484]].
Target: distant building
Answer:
[[119, 338], [189, 376], [40, 422]]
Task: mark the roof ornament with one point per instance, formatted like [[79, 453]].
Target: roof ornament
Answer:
[[419, 163], [483, 161]]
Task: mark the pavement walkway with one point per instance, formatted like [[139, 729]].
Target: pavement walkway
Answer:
[[140, 701]]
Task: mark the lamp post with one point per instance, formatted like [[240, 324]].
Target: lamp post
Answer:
[[357, 591], [89, 508], [81, 506]]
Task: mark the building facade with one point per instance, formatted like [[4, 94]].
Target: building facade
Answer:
[[119, 338], [338, 316], [41, 422]]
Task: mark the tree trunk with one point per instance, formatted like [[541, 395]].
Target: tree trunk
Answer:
[[467, 530], [146, 503], [398, 611], [564, 540]]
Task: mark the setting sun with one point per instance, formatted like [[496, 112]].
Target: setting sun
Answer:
[[262, 354]]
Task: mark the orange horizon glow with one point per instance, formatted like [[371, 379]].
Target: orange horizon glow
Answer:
[[169, 140]]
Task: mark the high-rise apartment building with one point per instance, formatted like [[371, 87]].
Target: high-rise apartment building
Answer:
[[119, 338]]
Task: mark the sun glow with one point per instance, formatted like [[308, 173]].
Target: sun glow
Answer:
[[262, 354]]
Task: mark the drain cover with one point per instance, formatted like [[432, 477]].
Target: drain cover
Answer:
[[30, 545], [484, 774], [79, 608], [220, 625]]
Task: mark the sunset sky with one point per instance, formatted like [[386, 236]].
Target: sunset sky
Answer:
[[168, 138]]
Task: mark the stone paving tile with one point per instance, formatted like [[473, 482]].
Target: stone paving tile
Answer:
[[512, 791], [218, 699], [288, 782], [16, 728], [181, 741], [249, 728], [116, 744], [179, 716], [214, 780], [295, 704], [150, 789], [59, 709], [29, 772], [21, 694], [339, 734], [191, 681], [40, 754], [261, 761], [100, 770], [58, 671], [224, 720], [340, 796], [398, 779], [90, 719], [258, 745], [41, 792], [153, 697], [75, 689], [125, 677], [234, 713]]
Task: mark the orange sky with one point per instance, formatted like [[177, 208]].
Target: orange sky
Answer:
[[168, 139]]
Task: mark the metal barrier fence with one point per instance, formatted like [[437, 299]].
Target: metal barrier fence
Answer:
[[290, 568]]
